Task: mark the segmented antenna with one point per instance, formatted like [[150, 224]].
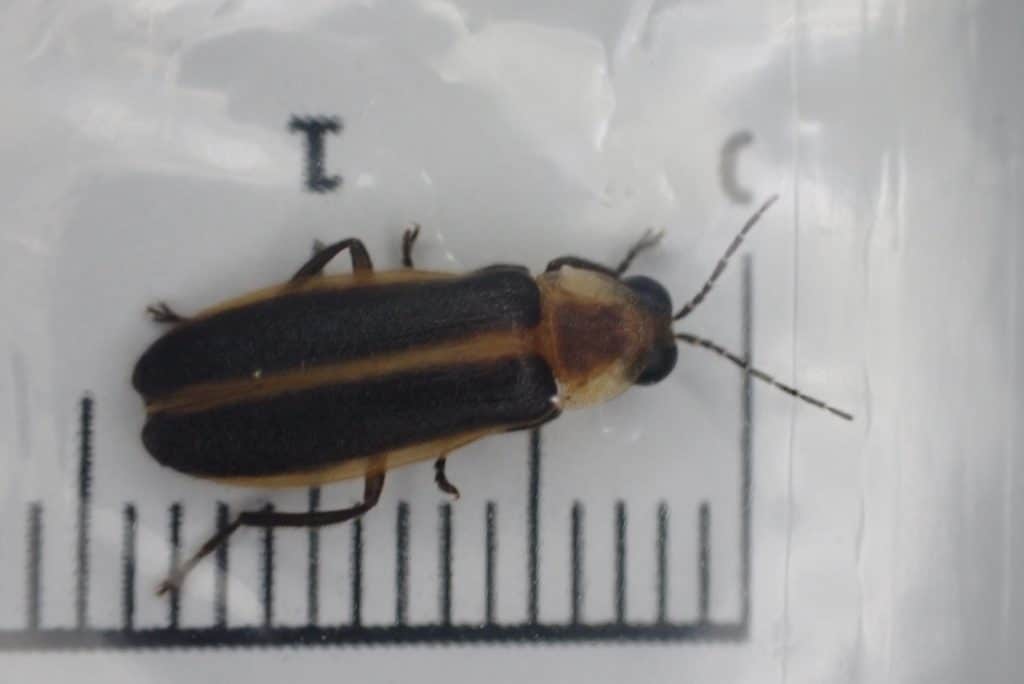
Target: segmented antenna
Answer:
[[720, 267], [759, 374]]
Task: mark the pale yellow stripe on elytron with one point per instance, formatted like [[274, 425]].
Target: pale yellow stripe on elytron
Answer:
[[357, 467], [478, 348], [324, 283]]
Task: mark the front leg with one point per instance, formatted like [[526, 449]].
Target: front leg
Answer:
[[648, 240], [162, 313], [580, 263]]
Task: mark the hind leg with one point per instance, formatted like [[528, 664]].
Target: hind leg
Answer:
[[372, 487]]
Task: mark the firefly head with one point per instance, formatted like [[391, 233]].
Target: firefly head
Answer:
[[656, 302]]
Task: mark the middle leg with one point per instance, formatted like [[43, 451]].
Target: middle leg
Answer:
[[443, 483], [408, 240]]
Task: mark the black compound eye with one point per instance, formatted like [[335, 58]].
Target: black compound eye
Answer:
[[652, 295], [660, 362]]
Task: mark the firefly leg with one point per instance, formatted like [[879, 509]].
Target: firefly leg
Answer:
[[361, 262], [648, 240], [504, 267], [578, 262], [372, 488], [443, 483], [408, 240], [162, 313]]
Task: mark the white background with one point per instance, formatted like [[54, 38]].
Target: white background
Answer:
[[144, 154]]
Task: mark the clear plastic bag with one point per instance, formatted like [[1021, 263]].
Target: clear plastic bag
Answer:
[[148, 154]]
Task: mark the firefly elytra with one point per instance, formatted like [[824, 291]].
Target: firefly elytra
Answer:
[[332, 377]]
